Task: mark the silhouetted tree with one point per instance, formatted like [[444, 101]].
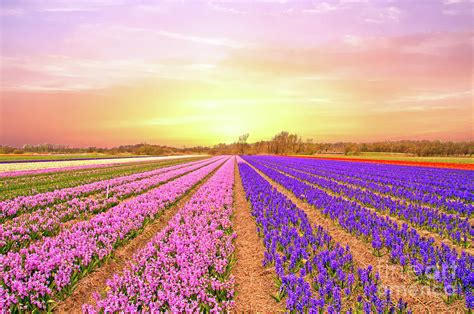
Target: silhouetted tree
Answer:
[[242, 143]]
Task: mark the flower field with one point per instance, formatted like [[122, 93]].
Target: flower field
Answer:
[[46, 166], [327, 230], [45, 180]]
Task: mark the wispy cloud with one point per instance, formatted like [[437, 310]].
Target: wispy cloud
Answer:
[[435, 96], [391, 14], [410, 108], [184, 120], [59, 7], [320, 8], [91, 34], [77, 6], [64, 73], [449, 2], [218, 7], [225, 42], [353, 40], [5, 11], [69, 9], [152, 7]]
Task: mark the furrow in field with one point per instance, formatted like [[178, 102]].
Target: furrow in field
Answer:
[[440, 267], [22, 230], [51, 269], [186, 266], [380, 209], [255, 284], [96, 282]]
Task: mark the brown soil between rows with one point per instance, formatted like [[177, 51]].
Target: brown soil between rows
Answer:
[[95, 282], [423, 232], [254, 283], [420, 298]]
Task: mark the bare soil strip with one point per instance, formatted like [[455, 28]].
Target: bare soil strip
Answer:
[[424, 232], [96, 281], [254, 283], [420, 298]]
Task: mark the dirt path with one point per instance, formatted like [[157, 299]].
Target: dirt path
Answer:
[[424, 232], [420, 298], [96, 281], [254, 283]]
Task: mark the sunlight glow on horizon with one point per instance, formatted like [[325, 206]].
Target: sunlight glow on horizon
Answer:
[[107, 73]]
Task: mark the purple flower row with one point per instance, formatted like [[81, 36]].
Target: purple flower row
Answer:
[[451, 226], [18, 205], [431, 184], [441, 267], [186, 267], [30, 278], [314, 273], [21, 230], [446, 198]]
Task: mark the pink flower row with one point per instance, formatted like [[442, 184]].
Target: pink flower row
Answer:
[[11, 208], [186, 267], [32, 277], [20, 230], [16, 173]]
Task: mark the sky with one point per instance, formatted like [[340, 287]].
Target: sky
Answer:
[[185, 73]]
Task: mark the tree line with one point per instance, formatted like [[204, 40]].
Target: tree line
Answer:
[[137, 149], [283, 143]]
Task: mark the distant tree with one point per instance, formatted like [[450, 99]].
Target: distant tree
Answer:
[[285, 143], [242, 143]]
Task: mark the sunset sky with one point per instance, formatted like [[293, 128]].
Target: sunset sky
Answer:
[[179, 73]]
